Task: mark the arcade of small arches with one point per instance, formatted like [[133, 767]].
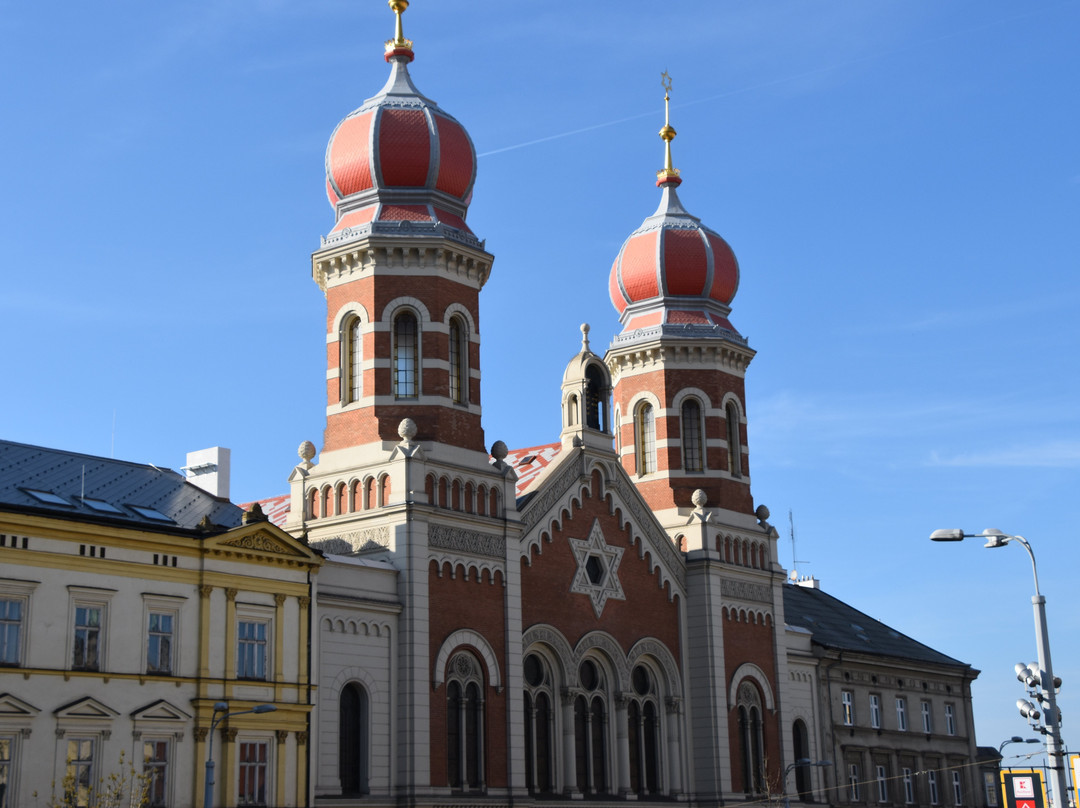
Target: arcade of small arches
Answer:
[[344, 497], [758, 617], [478, 571], [464, 496], [744, 552]]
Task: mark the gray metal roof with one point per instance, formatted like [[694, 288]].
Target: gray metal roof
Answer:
[[836, 625], [79, 484]]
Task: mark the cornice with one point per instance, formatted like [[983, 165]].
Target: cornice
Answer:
[[345, 261]]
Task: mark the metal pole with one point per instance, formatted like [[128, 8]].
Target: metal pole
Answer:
[[1055, 749], [208, 788]]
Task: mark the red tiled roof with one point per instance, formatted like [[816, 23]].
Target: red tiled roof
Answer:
[[275, 508]]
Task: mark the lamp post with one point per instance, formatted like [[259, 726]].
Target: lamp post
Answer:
[[798, 764], [223, 708], [1016, 739], [1037, 675]]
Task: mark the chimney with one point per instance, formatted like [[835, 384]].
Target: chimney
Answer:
[[209, 469]]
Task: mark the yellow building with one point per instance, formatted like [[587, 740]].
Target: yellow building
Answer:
[[131, 603]]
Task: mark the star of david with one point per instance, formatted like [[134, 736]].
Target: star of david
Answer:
[[597, 570]]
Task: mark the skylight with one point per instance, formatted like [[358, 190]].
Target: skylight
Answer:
[[47, 497], [100, 505], [150, 513]]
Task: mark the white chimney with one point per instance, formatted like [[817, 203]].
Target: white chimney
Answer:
[[209, 469]]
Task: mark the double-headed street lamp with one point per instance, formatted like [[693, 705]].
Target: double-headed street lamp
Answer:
[[1037, 677], [222, 707], [1016, 739], [798, 764]]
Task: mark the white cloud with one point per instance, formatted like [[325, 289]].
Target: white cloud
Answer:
[[1051, 454]]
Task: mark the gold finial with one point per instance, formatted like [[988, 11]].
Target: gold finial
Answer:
[[399, 42], [668, 173]]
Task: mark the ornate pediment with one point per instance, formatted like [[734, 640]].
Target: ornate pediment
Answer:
[[160, 711], [261, 542], [86, 708], [13, 707]]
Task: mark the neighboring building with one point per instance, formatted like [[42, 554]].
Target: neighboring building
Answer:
[[894, 716], [130, 603]]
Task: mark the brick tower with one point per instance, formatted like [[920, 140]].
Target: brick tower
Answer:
[[678, 371]]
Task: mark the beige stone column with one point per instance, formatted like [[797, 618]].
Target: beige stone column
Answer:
[[204, 633], [302, 650], [281, 766], [230, 636], [279, 638]]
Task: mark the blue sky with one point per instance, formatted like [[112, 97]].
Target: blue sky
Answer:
[[900, 181]]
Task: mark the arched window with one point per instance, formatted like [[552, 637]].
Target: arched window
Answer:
[[734, 444], [459, 361], [352, 354], [751, 739], [353, 740], [464, 723], [645, 439], [595, 398], [406, 356], [539, 726], [801, 740], [590, 730], [693, 448], [643, 733]]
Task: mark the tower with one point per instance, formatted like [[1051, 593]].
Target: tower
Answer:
[[679, 365], [678, 370], [401, 271]]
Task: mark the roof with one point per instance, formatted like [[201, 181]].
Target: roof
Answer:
[[836, 625], [528, 463], [69, 485]]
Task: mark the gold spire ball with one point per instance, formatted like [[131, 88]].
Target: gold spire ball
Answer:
[[399, 42], [668, 174]]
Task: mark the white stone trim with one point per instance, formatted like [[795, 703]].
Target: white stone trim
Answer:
[[478, 644], [748, 670]]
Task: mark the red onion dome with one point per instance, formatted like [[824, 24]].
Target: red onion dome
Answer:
[[673, 270], [399, 146]]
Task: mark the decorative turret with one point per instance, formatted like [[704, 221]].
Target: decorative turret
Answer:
[[586, 399]]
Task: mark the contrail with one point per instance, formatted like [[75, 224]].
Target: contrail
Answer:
[[783, 80]]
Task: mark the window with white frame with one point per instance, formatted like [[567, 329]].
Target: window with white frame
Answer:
[[901, 713], [459, 360], [251, 649], [156, 772], [540, 701], [731, 414], [950, 719], [693, 445], [990, 789], [927, 720], [909, 787], [159, 643], [931, 781], [847, 708], [352, 353], [79, 780], [406, 356], [957, 789], [7, 754], [89, 644], [12, 619], [465, 723], [645, 439], [882, 785], [253, 771], [875, 711], [853, 782]]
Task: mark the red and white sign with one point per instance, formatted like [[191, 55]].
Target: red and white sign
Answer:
[[1023, 787]]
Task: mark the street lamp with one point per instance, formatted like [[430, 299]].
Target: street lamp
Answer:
[[223, 708], [796, 765], [1038, 677], [1016, 739]]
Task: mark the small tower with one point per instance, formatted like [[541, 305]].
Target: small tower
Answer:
[[679, 364], [401, 271], [586, 399]]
